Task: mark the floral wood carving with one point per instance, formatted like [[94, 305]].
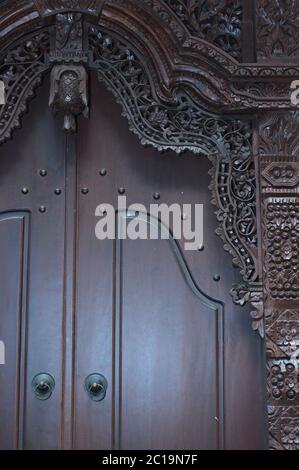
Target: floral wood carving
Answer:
[[279, 168], [21, 69], [281, 248], [175, 57], [277, 29], [176, 125], [218, 22]]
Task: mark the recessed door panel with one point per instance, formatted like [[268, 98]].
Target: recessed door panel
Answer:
[[169, 352], [13, 325], [32, 167]]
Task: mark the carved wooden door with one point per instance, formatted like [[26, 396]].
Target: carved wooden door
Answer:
[[150, 318], [139, 343], [146, 316], [158, 323]]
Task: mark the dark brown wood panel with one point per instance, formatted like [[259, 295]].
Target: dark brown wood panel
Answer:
[[104, 142], [171, 353], [183, 84], [40, 146], [14, 227]]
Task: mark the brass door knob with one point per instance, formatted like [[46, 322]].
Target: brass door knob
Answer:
[[43, 386], [96, 386]]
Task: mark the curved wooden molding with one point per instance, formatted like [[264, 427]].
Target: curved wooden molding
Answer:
[[176, 59]]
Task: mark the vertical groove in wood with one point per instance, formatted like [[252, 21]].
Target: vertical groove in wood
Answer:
[[23, 333], [219, 335], [69, 294], [117, 332]]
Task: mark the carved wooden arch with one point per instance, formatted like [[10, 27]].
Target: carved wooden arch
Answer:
[[183, 88]]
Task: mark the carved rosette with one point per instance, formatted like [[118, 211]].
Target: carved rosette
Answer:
[[279, 167]]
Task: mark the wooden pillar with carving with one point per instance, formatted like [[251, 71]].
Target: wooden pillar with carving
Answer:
[[279, 179], [276, 42]]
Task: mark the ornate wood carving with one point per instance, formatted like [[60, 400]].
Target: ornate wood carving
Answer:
[[21, 69], [50, 7], [277, 29], [174, 65], [279, 168], [68, 92], [218, 22]]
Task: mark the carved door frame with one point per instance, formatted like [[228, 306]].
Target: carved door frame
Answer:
[[182, 86]]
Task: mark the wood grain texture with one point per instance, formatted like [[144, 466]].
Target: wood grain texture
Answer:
[[176, 68]]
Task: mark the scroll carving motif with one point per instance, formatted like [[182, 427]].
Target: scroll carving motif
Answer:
[[279, 167]]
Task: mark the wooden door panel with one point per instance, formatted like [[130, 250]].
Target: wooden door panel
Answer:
[[104, 142], [38, 146], [93, 347], [151, 331], [170, 353], [13, 332]]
